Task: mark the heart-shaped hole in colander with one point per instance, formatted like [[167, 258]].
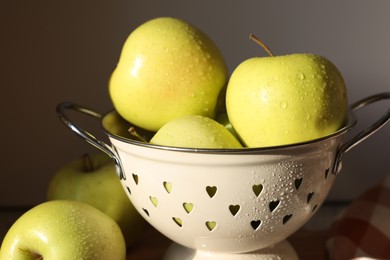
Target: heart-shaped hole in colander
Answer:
[[178, 221], [234, 209], [326, 173], [211, 225], [257, 188], [188, 207], [273, 205], [309, 197], [167, 186], [128, 189], [255, 224], [135, 178], [153, 200], [286, 218], [211, 190], [298, 183]]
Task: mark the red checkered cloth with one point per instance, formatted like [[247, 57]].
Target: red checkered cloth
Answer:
[[363, 229]]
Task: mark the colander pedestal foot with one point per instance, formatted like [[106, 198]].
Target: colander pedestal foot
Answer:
[[281, 251]]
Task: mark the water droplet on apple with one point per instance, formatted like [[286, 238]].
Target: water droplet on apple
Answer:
[[283, 105], [301, 76]]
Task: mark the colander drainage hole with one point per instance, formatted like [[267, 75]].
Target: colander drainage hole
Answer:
[[286, 218], [234, 209], [255, 224], [298, 183], [257, 188], [146, 212], [188, 207], [211, 225], [309, 197], [326, 173], [178, 221], [167, 186], [128, 189], [154, 200], [273, 205], [211, 190], [135, 178], [314, 208]]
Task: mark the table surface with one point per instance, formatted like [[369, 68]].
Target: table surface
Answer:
[[309, 244], [309, 241]]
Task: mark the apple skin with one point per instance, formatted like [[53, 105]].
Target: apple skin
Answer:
[[223, 119], [195, 131], [63, 230], [99, 187], [167, 69], [287, 99]]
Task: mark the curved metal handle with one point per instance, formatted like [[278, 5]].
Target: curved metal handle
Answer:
[[86, 135], [364, 134]]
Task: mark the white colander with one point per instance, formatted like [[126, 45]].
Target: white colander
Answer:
[[226, 204]]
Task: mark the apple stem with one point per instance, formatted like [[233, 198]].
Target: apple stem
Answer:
[[261, 43], [134, 133], [87, 163]]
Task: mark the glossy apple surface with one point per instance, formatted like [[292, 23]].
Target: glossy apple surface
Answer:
[[64, 230], [167, 69], [92, 179], [287, 99], [195, 131]]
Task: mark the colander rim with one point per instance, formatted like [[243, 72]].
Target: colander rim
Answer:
[[350, 123]]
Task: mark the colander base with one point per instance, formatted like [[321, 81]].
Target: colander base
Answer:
[[279, 251]]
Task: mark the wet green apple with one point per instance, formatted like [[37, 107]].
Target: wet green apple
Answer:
[[195, 131], [223, 119], [92, 179], [287, 99], [167, 69], [63, 230]]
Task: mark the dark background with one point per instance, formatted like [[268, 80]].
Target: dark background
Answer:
[[52, 51]]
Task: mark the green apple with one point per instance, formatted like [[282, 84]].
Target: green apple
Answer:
[[167, 69], [63, 230], [223, 119], [92, 179], [195, 131], [287, 99]]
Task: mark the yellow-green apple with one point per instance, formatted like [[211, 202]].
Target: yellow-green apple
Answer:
[[287, 99], [223, 119], [167, 69], [92, 179], [195, 131], [63, 230]]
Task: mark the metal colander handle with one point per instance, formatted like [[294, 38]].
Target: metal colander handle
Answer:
[[91, 139], [110, 151], [364, 134]]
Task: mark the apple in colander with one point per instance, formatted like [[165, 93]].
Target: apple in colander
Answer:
[[167, 69], [195, 131], [279, 100]]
